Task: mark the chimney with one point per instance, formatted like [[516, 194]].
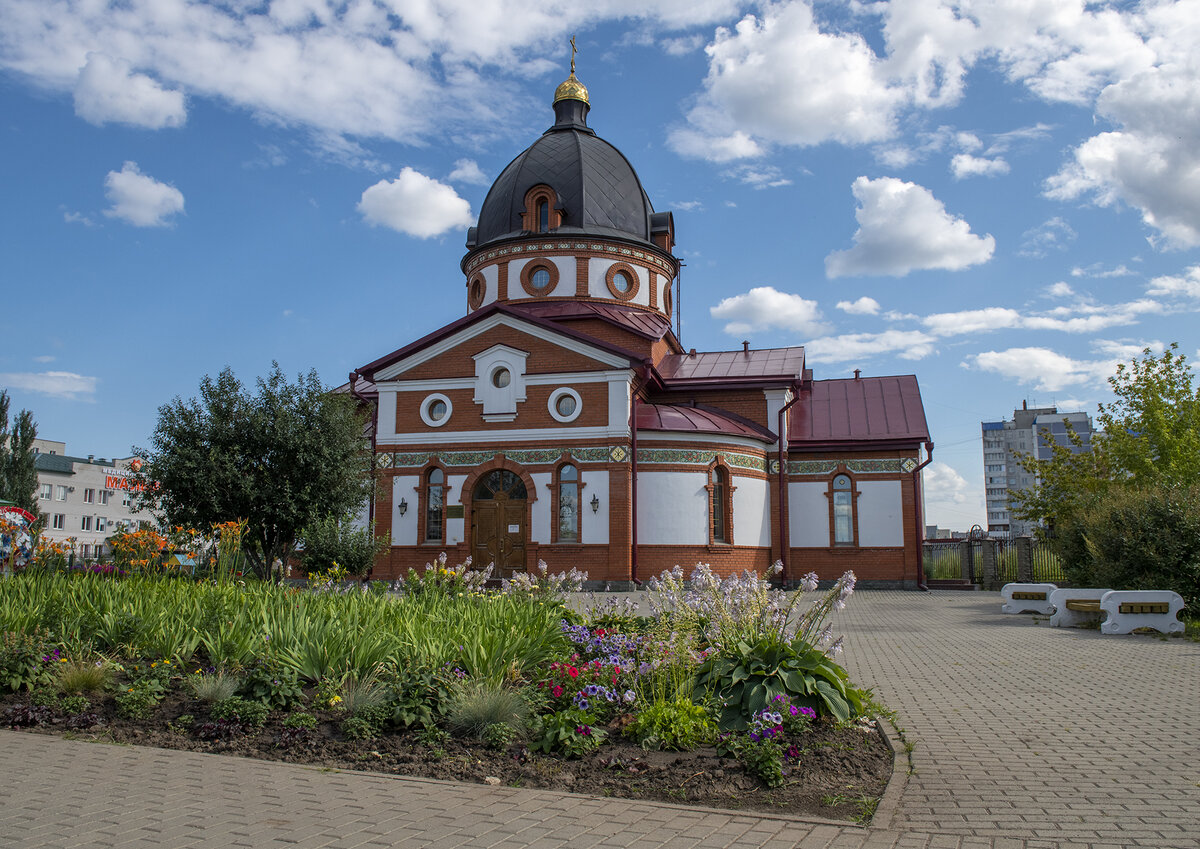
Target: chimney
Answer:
[[857, 373], [1024, 405], [692, 353], [746, 347]]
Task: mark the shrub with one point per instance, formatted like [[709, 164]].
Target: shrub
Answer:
[[359, 728], [337, 542], [74, 705], [747, 676], [249, 713], [212, 687], [477, 703], [29, 716], [25, 659], [297, 728], [139, 700], [300, 719], [1135, 539], [569, 732], [79, 677], [680, 725], [277, 687]]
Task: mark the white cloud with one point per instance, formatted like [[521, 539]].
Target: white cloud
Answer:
[[1060, 290], [1052, 234], [943, 483], [688, 206], [1153, 161], [698, 145], [56, 384], [1097, 270], [965, 165], [765, 307], [863, 306], [1185, 285], [141, 200], [414, 204], [782, 78], [44, 358], [902, 228], [758, 176], [683, 45], [468, 171], [78, 218], [1079, 318], [905, 344], [972, 321], [109, 91], [1047, 370]]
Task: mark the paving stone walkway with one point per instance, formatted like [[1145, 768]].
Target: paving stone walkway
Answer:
[[1025, 737]]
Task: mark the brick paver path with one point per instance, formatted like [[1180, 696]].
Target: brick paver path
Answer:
[[1011, 723]]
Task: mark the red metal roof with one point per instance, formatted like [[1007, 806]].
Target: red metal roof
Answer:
[[867, 409], [699, 419], [642, 322], [715, 366]]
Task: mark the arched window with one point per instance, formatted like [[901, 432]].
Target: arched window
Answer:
[[435, 513], [543, 214], [842, 505], [568, 503], [719, 506]]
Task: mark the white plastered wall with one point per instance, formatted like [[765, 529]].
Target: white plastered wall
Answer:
[[598, 287], [539, 530], [672, 508], [594, 525], [404, 528], [491, 279], [455, 528], [566, 277], [808, 515], [880, 514], [751, 511]]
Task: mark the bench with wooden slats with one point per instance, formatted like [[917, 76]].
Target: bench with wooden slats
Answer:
[[1076, 607], [1132, 610], [1026, 598]]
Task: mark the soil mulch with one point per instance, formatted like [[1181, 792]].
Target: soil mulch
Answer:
[[841, 774]]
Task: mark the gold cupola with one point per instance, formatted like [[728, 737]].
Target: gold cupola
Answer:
[[571, 88]]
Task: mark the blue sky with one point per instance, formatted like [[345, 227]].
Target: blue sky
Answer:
[[1000, 197]]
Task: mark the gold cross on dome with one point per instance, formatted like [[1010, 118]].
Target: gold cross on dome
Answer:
[[573, 52]]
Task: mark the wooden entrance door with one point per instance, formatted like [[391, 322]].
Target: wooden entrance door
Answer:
[[498, 523]]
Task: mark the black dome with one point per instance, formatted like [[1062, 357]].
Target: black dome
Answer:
[[597, 188]]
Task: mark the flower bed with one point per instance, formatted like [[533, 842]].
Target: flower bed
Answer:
[[726, 696]]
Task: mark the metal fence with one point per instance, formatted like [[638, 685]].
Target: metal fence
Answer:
[[965, 560]]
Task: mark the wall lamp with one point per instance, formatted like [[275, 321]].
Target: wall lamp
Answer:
[[403, 506], [595, 504]]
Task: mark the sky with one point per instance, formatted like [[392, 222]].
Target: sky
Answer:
[[1000, 197]]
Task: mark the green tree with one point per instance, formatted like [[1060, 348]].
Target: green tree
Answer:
[[18, 474], [1149, 436], [332, 540], [279, 458]]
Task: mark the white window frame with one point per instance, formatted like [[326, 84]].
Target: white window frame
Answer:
[[553, 404], [428, 402]]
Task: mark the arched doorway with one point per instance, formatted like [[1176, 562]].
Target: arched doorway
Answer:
[[498, 522]]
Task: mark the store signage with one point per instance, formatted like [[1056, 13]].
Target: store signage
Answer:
[[118, 479]]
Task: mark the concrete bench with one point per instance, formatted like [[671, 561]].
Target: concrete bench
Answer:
[[1076, 606], [1026, 598], [1129, 610]]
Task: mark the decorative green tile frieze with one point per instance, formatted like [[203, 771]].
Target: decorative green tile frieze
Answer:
[[526, 457], [689, 457], [825, 467]]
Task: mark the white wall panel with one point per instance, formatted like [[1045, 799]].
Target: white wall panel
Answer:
[[808, 515], [566, 277], [751, 511], [672, 508], [880, 514], [594, 525], [598, 286], [404, 528], [542, 509], [455, 528]]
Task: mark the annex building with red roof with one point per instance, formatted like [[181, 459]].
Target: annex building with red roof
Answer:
[[561, 420]]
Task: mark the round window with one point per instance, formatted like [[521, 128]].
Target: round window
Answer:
[[437, 410], [565, 405], [621, 281], [501, 378], [475, 292], [540, 278]]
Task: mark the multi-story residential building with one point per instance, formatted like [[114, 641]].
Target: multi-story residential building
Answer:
[[89, 498], [1005, 441]]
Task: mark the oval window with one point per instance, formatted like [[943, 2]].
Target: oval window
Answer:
[[565, 405], [621, 282], [437, 410], [476, 292], [501, 378], [540, 278]]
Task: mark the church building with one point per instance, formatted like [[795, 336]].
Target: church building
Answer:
[[561, 420]]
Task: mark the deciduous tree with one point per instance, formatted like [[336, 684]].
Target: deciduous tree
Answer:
[[280, 458], [18, 474]]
